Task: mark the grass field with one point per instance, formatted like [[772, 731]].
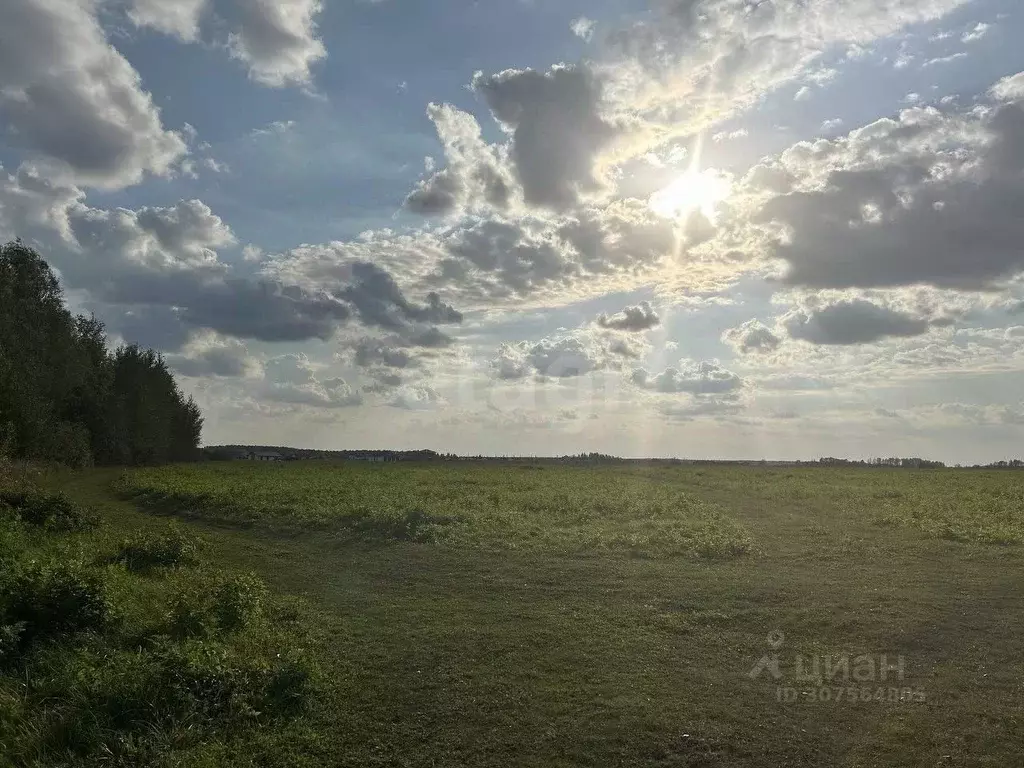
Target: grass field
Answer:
[[563, 616]]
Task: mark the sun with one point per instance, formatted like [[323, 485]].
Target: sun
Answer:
[[693, 191]]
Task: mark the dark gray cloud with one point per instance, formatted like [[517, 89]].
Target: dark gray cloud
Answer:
[[502, 258], [852, 322], [262, 309], [379, 301], [162, 266], [638, 318], [155, 277], [928, 198], [557, 129], [69, 96]]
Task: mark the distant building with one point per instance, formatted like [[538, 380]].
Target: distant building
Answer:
[[266, 456], [236, 454]]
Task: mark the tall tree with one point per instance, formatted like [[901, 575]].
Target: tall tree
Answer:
[[64, 396]]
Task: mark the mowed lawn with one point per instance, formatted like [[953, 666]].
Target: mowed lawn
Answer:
[[497, 615]]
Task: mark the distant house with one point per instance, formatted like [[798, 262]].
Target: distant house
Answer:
[[235, 454], [266, 456]]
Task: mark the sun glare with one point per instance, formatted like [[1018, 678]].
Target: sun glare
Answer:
[[693, 191]]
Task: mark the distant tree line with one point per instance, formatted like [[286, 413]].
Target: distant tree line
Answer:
[[64, 396], [893, 461]]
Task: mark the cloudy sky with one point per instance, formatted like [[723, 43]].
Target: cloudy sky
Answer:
[[706, 228]]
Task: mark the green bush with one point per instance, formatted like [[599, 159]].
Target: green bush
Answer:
[[172, 548], [51, 511], [217, 605], [43, 600], [239, 601], [134, 707], [12, 542], [289, 688]]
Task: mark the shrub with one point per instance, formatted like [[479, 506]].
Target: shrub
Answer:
[[49, 599], [289, 688], [189, 613], [12, 542], [217, 606], [206, 679], [239, 601], [172, 548], [52, 511]]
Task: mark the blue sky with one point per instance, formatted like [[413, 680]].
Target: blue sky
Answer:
[[707, 228]]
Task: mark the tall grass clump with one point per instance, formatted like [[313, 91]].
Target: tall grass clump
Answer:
[[172, 548], [102, 666], [50, 511]]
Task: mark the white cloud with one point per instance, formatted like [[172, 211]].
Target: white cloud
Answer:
[[276, 39], [178, 18], [476, 176], [944, 59], [975, 33], [739, 133], [706, 377], [208, 355], [1009, 88], [583, 28], [417, 398], [69, 97], [181, 238], [567, 354], [29, 201], [293, 379], [752, 336], [692, 63]]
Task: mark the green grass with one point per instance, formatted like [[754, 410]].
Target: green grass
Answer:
[[495, 616], [100, 665], [545, 509]]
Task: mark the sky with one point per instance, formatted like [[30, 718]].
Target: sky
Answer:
[[695, 228]]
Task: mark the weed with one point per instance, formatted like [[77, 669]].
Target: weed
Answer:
[[214, 604], [174, 547], [48, 598], [51, 511]]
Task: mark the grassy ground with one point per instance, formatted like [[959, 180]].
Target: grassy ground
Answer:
[[509, 616]]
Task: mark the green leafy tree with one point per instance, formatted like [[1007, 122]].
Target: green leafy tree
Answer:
[[65, 397]]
